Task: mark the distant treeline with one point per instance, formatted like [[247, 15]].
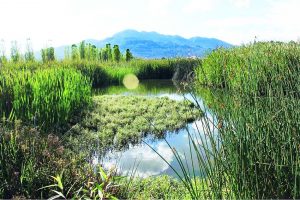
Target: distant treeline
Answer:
[[81, 51]]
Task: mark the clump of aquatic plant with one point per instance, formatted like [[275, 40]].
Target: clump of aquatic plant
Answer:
[[45, 97], [120, 120], [246, 147], [259, 68], [26, 160], [100, 186], [108, 73], [156, 187]]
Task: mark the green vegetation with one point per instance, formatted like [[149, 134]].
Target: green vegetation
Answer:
[[47, 97], [29, 55], [163, 86], [249, 148], [14, 52], [108, 73], [128, 55], [256, 152], [52, 95], [160, 187], [28, 157], [258, 68], [48, 55], [117, 121]]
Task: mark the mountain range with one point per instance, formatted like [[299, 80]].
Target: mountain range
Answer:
[[154, 45]]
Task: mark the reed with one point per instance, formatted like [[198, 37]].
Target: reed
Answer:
[[108, 73], [47, 97], [247, 143], [257, 68]]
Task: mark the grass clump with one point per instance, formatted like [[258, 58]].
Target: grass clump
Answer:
[[109, 72], [38, 165], [261, 145], [120, 120], [48, 97], [249, 149], [28, 157], [259, 68], [159, 187]]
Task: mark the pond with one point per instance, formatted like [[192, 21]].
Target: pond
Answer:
[[141, 159]]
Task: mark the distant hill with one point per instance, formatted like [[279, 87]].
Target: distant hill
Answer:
[[154, 45]]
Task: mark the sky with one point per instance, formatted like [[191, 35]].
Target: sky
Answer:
[[61, 22]]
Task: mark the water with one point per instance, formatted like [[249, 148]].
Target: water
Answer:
[[143, 160]]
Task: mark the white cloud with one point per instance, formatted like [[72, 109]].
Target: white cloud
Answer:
[[277, 20], [284, 18], [148, 162], [241, 3], [69, 21], [199, 6]]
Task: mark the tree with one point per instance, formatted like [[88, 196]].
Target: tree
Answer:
[[82, 50], [67, 54], [44, 55], [128, 55], [14, 52], [116, 53], [104, 54], [109, 52], [3, 58], [100, 55], [48, 54], [94, 52], [75, 52], [29, 55]]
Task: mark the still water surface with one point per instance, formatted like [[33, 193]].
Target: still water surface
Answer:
[[144, 160]]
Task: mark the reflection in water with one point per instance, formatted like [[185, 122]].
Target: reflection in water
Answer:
[[148, 162], [141, 157]]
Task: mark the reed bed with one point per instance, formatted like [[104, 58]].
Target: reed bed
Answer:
[[108, 73], [45, 97], [258, 68], [247, 146]]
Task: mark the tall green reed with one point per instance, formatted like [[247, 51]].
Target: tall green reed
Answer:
[[256, 68], [107, 73], [248, 141], [45, 97]]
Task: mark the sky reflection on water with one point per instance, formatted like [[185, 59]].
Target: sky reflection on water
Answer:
[[142, 158]]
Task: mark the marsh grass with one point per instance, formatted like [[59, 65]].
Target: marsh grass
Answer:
[[249, 150], [48, 97], [108, 73], [159, 187], [117, 121], [260, 68], [145, 87], [258, 119], [27, 157]]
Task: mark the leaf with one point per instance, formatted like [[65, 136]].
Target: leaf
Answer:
[[54, 197], [102, 173], [59, 182], [59, 194], [100, 194]]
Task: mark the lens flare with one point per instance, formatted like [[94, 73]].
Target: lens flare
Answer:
[[130, 81]]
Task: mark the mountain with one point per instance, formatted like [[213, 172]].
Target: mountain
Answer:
[[154, 45]]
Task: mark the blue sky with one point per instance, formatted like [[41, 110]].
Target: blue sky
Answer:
[[58, 22]]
